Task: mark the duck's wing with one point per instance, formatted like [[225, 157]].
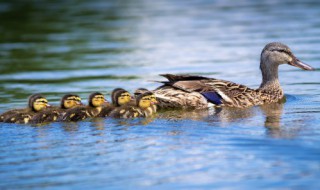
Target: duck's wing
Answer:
[[214, 90], [105, 111], [125, 112], [19, 118], [48, 115], [10, 113], [76, 114], [174, 78]]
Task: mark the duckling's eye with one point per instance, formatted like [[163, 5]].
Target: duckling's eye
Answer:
[[42, 101], [99, 97]]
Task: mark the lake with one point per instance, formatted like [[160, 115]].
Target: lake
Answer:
[[83, 46]]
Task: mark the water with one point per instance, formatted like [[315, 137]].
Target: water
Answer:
[[85, 46]]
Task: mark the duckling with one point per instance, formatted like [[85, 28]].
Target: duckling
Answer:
[[94, 107], [143, 107], [8, 114], [68, 101], [140, 91], [119, 98], [37, 103]]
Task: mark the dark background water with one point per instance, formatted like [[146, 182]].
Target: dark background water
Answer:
[[54, 47]]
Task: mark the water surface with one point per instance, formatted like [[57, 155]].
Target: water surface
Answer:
[[84, 46]]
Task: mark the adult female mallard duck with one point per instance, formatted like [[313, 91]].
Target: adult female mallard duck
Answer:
[[68, 101], [143, 107], [119, 98], [36, 103], [197, 92], [95, 103]]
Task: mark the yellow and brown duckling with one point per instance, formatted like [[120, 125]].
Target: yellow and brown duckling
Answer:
[[119, 98], [37, 103], [95, 102], [143, 107], [52, 114], [140, 91]]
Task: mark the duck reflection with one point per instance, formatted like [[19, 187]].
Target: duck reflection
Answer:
[[184, 114], [272, 114]]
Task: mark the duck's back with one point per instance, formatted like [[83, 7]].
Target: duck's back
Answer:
[[20, 117], [125, 112], [48, 115], [8, 114], [194, 92]]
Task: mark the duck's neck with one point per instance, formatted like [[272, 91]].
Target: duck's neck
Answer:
[[270, 80]]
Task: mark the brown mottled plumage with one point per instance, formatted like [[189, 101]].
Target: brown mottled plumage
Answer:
[[186, 91]]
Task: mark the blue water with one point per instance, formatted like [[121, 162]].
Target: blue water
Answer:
[[85, 46]]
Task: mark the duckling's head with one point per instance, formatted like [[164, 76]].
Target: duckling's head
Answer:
[[154, 99], [120, 97], [146, 100], [70, 101], [276, 53], [139, 91], [37, 102], [96, 99]]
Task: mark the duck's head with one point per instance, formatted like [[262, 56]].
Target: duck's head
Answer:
[[146, 100], [276, 53], [96, 99], [139, 91], [37, 102], [120, 97], [70, 101]]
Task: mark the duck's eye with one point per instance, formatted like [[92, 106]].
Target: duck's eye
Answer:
[[99, 97], [281, 51], [42, 101]]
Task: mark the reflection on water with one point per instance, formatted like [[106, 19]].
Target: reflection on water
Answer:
[[78, 46]]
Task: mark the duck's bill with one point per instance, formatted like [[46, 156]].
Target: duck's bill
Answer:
[[154, 103], [297, 63], [79, 103]]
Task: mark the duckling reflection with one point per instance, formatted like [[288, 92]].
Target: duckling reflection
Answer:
[[70, 126]]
